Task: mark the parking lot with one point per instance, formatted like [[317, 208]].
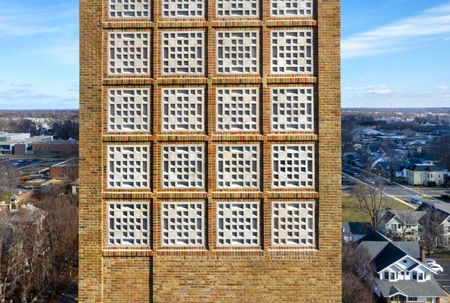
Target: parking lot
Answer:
[[444, 278]]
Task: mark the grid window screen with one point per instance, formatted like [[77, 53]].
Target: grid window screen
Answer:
[[182, 224], [238, 166], [129, 53], [292, 52], [237, 109], [183, 8], [128, 166], [129, 9], [291, 8], [238, 52], [183, 109], [293, 166], [293, 224], [238, 224], [183, 166], [293, 109], [183, 52], [128, 224], [237, 8], [128, 110]]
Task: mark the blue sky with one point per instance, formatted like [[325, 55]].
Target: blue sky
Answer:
[[395, 53]]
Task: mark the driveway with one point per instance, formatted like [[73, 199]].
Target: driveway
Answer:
[[444, 278]]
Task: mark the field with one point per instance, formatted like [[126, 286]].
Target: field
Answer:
[[352, 213]]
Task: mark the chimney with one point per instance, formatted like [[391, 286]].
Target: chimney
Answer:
[[422, 254]]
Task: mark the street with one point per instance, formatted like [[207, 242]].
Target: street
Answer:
[[394, 189]]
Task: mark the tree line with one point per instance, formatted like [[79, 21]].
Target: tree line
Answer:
[[38, 250]]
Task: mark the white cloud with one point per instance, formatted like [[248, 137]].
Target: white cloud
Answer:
[[379, 89], [25, 96], [431, 24], [380, 95]]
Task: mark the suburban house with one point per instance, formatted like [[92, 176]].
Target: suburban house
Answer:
[[354, 231], [441, 213], [402, 224], [400, 276], [425, 174]]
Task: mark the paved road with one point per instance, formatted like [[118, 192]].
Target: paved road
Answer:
[[394, 189]]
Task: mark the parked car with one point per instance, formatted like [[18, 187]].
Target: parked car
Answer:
[[430, 262], [436, 268], [415, 201]]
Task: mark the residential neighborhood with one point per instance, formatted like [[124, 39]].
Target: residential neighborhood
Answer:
[[396, 204]]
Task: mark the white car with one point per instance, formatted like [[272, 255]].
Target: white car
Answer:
[[436, 268], [430, 261]]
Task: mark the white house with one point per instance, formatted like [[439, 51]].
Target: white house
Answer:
[[400, 276], [425, 175], [402, 224]]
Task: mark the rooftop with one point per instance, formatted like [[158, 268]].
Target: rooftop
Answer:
[[407, 288]]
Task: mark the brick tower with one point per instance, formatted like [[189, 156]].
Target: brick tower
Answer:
[[210, 151]]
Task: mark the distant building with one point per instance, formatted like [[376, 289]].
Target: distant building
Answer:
[[19, 143], [425, 174], [59, 148], [67, 170], [13, 137]]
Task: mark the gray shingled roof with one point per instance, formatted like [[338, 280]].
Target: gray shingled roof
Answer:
[[388, 255], [432, 168], [373, 248], [388, 216], [356, 228], [410, 247], [411, 288], [411, 215], [442, 207], [382, 250]]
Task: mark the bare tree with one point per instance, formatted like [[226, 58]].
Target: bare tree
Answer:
[[360, 192], [39, 252], [62, 225], [370, 198], [9, 178], [432, 232], [26, 264], [408, 218], [357, 275]]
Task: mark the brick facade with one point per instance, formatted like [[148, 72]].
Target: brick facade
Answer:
[[209, 273]]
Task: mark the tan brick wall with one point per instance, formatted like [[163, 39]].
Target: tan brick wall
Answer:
[[209, 274]]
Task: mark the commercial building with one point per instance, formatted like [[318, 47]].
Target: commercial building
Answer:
[[57, 148], [210, 151], [19, 143]]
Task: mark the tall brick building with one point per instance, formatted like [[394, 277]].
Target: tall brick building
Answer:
[[210, 151]]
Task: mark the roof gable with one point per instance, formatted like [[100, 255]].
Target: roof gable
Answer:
[[388, 255]]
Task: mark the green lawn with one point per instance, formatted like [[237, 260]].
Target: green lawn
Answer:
[[352, 213]]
